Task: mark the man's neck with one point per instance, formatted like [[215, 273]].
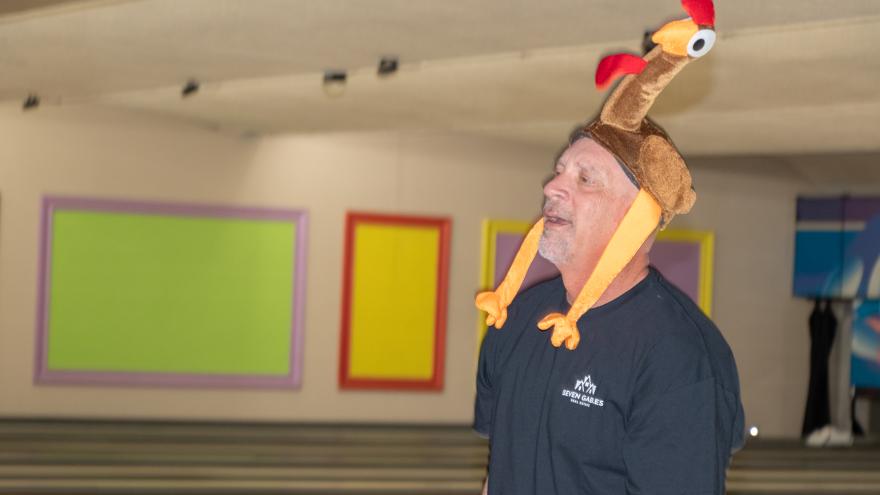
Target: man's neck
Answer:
[[634, 272]]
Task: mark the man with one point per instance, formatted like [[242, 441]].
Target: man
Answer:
[[644, 396]]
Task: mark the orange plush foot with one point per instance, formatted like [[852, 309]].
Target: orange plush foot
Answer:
[[491, 303], [564, 330]]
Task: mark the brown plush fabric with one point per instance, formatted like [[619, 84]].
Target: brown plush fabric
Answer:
[[624, 130], [629, 103]]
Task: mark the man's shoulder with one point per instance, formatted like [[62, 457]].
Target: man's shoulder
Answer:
[[682, 332], [698, 320], [693, 352], [671, 312]]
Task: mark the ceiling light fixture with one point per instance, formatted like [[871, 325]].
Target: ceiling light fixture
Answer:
[[31, 102], [387, 66], [334, 82], [190, 88]]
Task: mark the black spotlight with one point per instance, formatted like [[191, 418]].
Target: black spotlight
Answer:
[[335, 77], [647, 43], [190, 88], [334, 82], [31, 102], [387, 66]]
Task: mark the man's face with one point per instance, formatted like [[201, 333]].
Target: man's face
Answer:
[[583, 204]]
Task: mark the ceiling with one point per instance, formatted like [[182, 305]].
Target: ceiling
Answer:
[[786, 76]]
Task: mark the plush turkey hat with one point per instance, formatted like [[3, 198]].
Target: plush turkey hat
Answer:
[[623, 129]]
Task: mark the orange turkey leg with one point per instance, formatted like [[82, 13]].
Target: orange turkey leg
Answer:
[[495, 303]]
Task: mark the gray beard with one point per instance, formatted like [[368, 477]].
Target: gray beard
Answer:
[[556, 251]]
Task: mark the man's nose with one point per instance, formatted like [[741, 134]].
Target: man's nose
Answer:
[[556, 187]]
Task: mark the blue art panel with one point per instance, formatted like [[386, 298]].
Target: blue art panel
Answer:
[[837, 245], [866, 345], [814, 264], [861, 270]]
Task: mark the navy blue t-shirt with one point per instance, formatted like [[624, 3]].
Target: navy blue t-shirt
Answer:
[[648, 403]]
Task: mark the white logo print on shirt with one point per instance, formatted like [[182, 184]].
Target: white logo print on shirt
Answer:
[[584, 393], [585, 385]]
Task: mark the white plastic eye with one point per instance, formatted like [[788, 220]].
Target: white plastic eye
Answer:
[[701, 42]]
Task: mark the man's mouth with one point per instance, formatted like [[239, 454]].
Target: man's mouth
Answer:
[[554, 220]]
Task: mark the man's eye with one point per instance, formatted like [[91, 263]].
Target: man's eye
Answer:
[[587, 180]]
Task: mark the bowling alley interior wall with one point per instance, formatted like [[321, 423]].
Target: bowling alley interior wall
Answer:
[[748, 203]]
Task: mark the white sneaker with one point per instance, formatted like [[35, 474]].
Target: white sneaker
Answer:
[[820, 437], [829, 436], [840, 438]]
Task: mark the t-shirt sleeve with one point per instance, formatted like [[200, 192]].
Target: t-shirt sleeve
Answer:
[[484, 405], [679, 426]]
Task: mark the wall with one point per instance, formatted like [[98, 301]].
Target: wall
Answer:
[[107, 154], [103, 153]]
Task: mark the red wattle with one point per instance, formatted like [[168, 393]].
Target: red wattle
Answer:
[[613, 66], [701, 11]]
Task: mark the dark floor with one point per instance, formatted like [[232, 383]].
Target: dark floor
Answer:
[[127, 458], [775, 467]]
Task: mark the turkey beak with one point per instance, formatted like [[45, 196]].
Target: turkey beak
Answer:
[[674, 36]]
